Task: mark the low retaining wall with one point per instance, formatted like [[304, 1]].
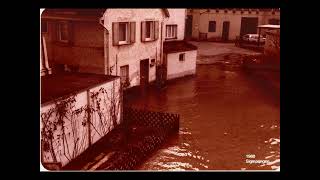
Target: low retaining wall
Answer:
[[148, 131], [129, 145]]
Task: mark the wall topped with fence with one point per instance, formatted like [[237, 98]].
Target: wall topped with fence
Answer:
[[141, 117]]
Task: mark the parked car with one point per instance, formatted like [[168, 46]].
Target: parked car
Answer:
[[253, 38]]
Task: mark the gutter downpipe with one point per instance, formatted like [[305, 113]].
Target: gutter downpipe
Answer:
[[106, 47], [46, 63]]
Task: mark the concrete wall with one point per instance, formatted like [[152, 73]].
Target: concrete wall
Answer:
[[87, 50], [177, 16], [132, 54], [176, 68], [76, 133], [201, 18]]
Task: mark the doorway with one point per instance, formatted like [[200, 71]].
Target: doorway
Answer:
[[248, 25], [189, 26], [225, 30], [144, 73]]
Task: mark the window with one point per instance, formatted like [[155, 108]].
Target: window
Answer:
[[63, 32], [44, 26], [149, 25], [171, 31], [181, 57], [212, 26], [152, 63], [123, 33], [124, 74], [149, 30]]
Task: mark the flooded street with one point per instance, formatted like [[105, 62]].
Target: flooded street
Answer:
[[226, 118]]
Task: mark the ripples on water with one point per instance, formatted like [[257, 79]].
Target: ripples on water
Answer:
[[224, 115]]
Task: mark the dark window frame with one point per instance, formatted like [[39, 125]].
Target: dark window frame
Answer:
[[67, 40], [182, 56], [127, 74], [213, 27], [173, 26], [126, 39]]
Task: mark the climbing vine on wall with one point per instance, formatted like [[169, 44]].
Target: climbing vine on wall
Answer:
[[65, 127]]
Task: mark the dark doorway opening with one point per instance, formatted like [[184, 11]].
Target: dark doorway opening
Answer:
[[144, 73], [225, 30], [189, 26], [248, 25]]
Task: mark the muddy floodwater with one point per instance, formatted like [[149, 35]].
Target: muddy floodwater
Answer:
[[229, 120]]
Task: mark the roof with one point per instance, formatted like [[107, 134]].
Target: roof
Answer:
[[64, 84], [80, 14], [73, 14], [269, 26], [177, 46]]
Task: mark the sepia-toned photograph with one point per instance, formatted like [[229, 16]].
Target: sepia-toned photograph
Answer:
[[159, 89]]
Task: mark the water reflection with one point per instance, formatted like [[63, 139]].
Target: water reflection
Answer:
[[224, 116]]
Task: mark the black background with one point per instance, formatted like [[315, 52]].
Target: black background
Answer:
[[22, 86]]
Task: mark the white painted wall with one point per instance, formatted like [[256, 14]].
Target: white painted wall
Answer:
[[178, 68], [177, 16], [74, 129], [201, 20], [132, 54]]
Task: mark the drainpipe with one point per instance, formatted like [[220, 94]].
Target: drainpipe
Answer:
[[161, 52], [159, 74], [259, 37], [106, 47], [48, 69], [42, 66]]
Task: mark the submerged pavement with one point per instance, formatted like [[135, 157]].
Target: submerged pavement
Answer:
[[214, 52], [229, 120]]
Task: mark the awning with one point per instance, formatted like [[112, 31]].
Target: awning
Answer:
[[269, 26]]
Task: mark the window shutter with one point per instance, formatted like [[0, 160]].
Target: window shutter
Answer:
[[115, 33], [132, 32], [156, 30], [143, 31]]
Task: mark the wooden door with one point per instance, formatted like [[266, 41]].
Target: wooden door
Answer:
[[248, 25], [144, 73], [225, 30]]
